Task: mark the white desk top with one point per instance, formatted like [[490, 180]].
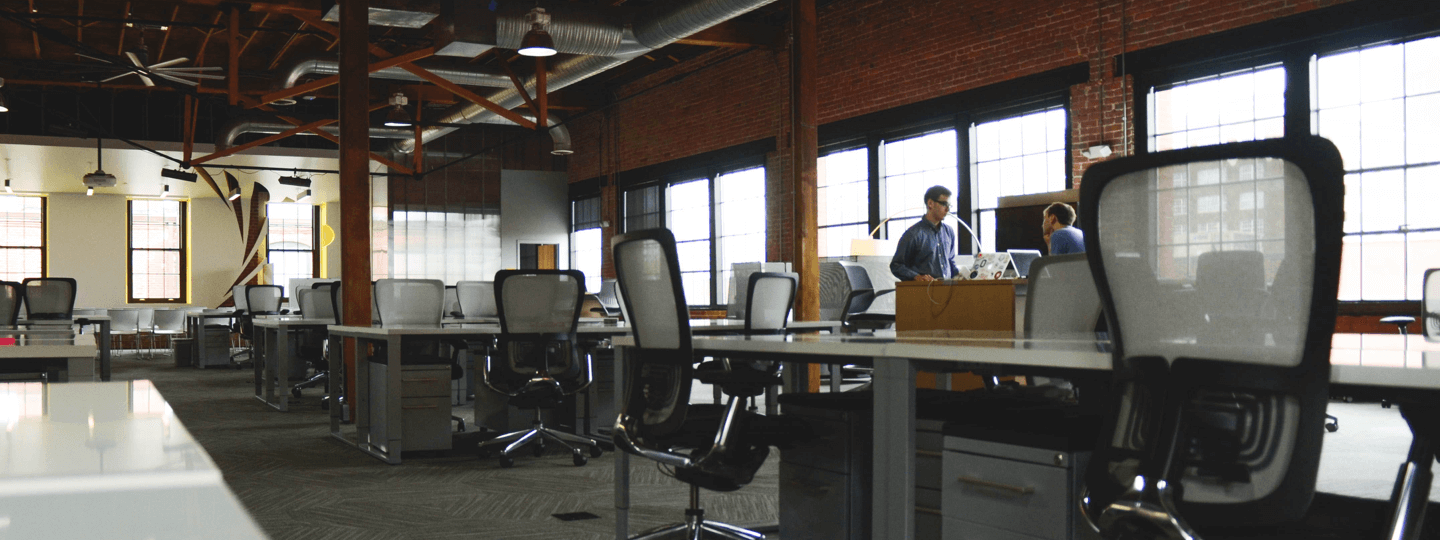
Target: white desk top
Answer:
[[279, 322], [107, 460], [588, 325], [210, 314], [32, 345]]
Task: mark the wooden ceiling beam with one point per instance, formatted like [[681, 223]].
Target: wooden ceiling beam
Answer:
[[120, 48], [34, 36], [251, 39], [332, 80], [376, 157], [80, 28], [520, 87], [200, 56], [285, 48], [166, 40], [736, 35]]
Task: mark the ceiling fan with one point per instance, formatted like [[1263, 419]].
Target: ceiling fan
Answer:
[[140, 55]]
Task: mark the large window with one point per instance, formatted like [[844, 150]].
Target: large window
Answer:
[[22, 237], [448, 246], [1381, 106], [586, 243], [290, 242], [740, 213], [642, 208], [843, 195], [911, 166], [1243, 105], [688, 209], [1018, 155], [157, 251]]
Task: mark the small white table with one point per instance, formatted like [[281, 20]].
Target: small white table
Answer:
[[108, 460], [275, 351], [56, 349]]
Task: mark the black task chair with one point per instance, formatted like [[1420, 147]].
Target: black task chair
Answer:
[[856, 315], [769, 297], [12, 294], [317, 302], [538, 362], [49, 300], [1216, 427], [1430, 305], [259, 300], [726, 445]]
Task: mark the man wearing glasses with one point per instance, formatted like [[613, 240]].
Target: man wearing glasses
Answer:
[[927, 249]]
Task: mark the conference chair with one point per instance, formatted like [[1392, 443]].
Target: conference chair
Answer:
[[146, 322], [1430, 305], [538, 362], [862, 295], [125, 322], [1216, 427], [609, 302], [49, 299], [715, 447], [259, 300], [315, 303], [12, 294], [452, 302], [1061, 302], [414, 303], [169, 323]]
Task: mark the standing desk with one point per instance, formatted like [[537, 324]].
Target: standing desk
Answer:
[[100, 321], [384, 442], [1360, 363], [108, 460], [61, 348], [275, 351]]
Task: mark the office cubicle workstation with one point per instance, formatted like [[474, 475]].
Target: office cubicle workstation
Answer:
[[169, 155]]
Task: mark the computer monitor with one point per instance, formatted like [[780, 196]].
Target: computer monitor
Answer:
[[1022, 259]]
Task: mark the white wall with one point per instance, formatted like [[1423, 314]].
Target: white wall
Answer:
[[534, 209]]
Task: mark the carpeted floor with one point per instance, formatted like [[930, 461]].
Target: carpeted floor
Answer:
[[300, 483]]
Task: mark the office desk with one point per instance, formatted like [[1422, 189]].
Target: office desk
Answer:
[[275, 350], [197, 324], [384, 442], [1365, 362], [56, 349], [101, 321], [108, 460]]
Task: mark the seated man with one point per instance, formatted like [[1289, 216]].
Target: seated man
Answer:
[[1060, 233]]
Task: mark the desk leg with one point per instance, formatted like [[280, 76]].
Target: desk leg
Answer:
[[259, 339], [622, 458], [1412, 486], [361, 399], [104, 350], [393, 429], [283, 347], [893, 512], [335, 384]]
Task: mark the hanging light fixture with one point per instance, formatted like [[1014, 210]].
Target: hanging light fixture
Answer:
[[397, 117], [166, 192], [7, 186], [3, 106], [89, 191], [537, 42]]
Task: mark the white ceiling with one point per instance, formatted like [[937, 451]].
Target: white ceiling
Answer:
[[56, 164]]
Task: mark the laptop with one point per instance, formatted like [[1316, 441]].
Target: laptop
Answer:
[[1022, 259]]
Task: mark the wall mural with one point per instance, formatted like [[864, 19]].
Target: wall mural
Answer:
[[253, 261]]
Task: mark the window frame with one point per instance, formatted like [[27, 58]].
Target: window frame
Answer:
[[597, 224], [314, 243], [44, 234], [183, 250]]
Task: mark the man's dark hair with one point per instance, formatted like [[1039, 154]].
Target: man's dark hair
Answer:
[[935, 192], [1063, 213]]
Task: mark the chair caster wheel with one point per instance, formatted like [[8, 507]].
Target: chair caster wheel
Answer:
[[538, 450], [595, 451], [460, 424], [507, 462], [295, 393], [580, 459]]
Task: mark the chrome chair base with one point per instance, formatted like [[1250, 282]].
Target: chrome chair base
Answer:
[[516, 440], [696, 527]]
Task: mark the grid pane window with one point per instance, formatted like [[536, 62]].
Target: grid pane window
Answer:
[[843, 196], [22, 237], [642, 208], [1018, 155], [1244, 105], [688, 208], [586, 243], [157, 250], [290, 242], [1379, 106], [910, 167], [448, 246], [1218, 206], [741, 213]]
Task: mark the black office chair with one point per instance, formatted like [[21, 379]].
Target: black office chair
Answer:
[[12, 294], [856, 314], [769, 298], [1216, 428], [49, 299], [259, 300], [726, 444], [1430, 305], [317, 302], [539, 362]]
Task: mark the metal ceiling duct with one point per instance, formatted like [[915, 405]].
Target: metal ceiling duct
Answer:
[[661, 26], [236, 128], [321, 67]]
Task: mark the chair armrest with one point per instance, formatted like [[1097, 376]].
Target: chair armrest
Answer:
[[884, 292], [621, 437]]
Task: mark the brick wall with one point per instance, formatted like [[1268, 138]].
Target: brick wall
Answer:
[[876, 55]]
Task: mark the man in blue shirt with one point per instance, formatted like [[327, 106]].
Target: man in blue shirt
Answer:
[[1060, 232], [927, 249]]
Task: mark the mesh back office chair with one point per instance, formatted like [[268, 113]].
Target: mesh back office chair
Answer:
[[539, 359], [315, 303], [857, 303], [414, 303], [1061, 302], [49, 298], [1217, 421], [259, 300], [657, 420], [1430, 305], [476, 298], [12, 294], [452, 302]]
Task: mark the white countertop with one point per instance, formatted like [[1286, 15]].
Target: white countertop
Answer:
[[107, 460], [32, 346]]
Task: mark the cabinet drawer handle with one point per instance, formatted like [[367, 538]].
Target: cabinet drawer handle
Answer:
[[421, 407], [996, 485]]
